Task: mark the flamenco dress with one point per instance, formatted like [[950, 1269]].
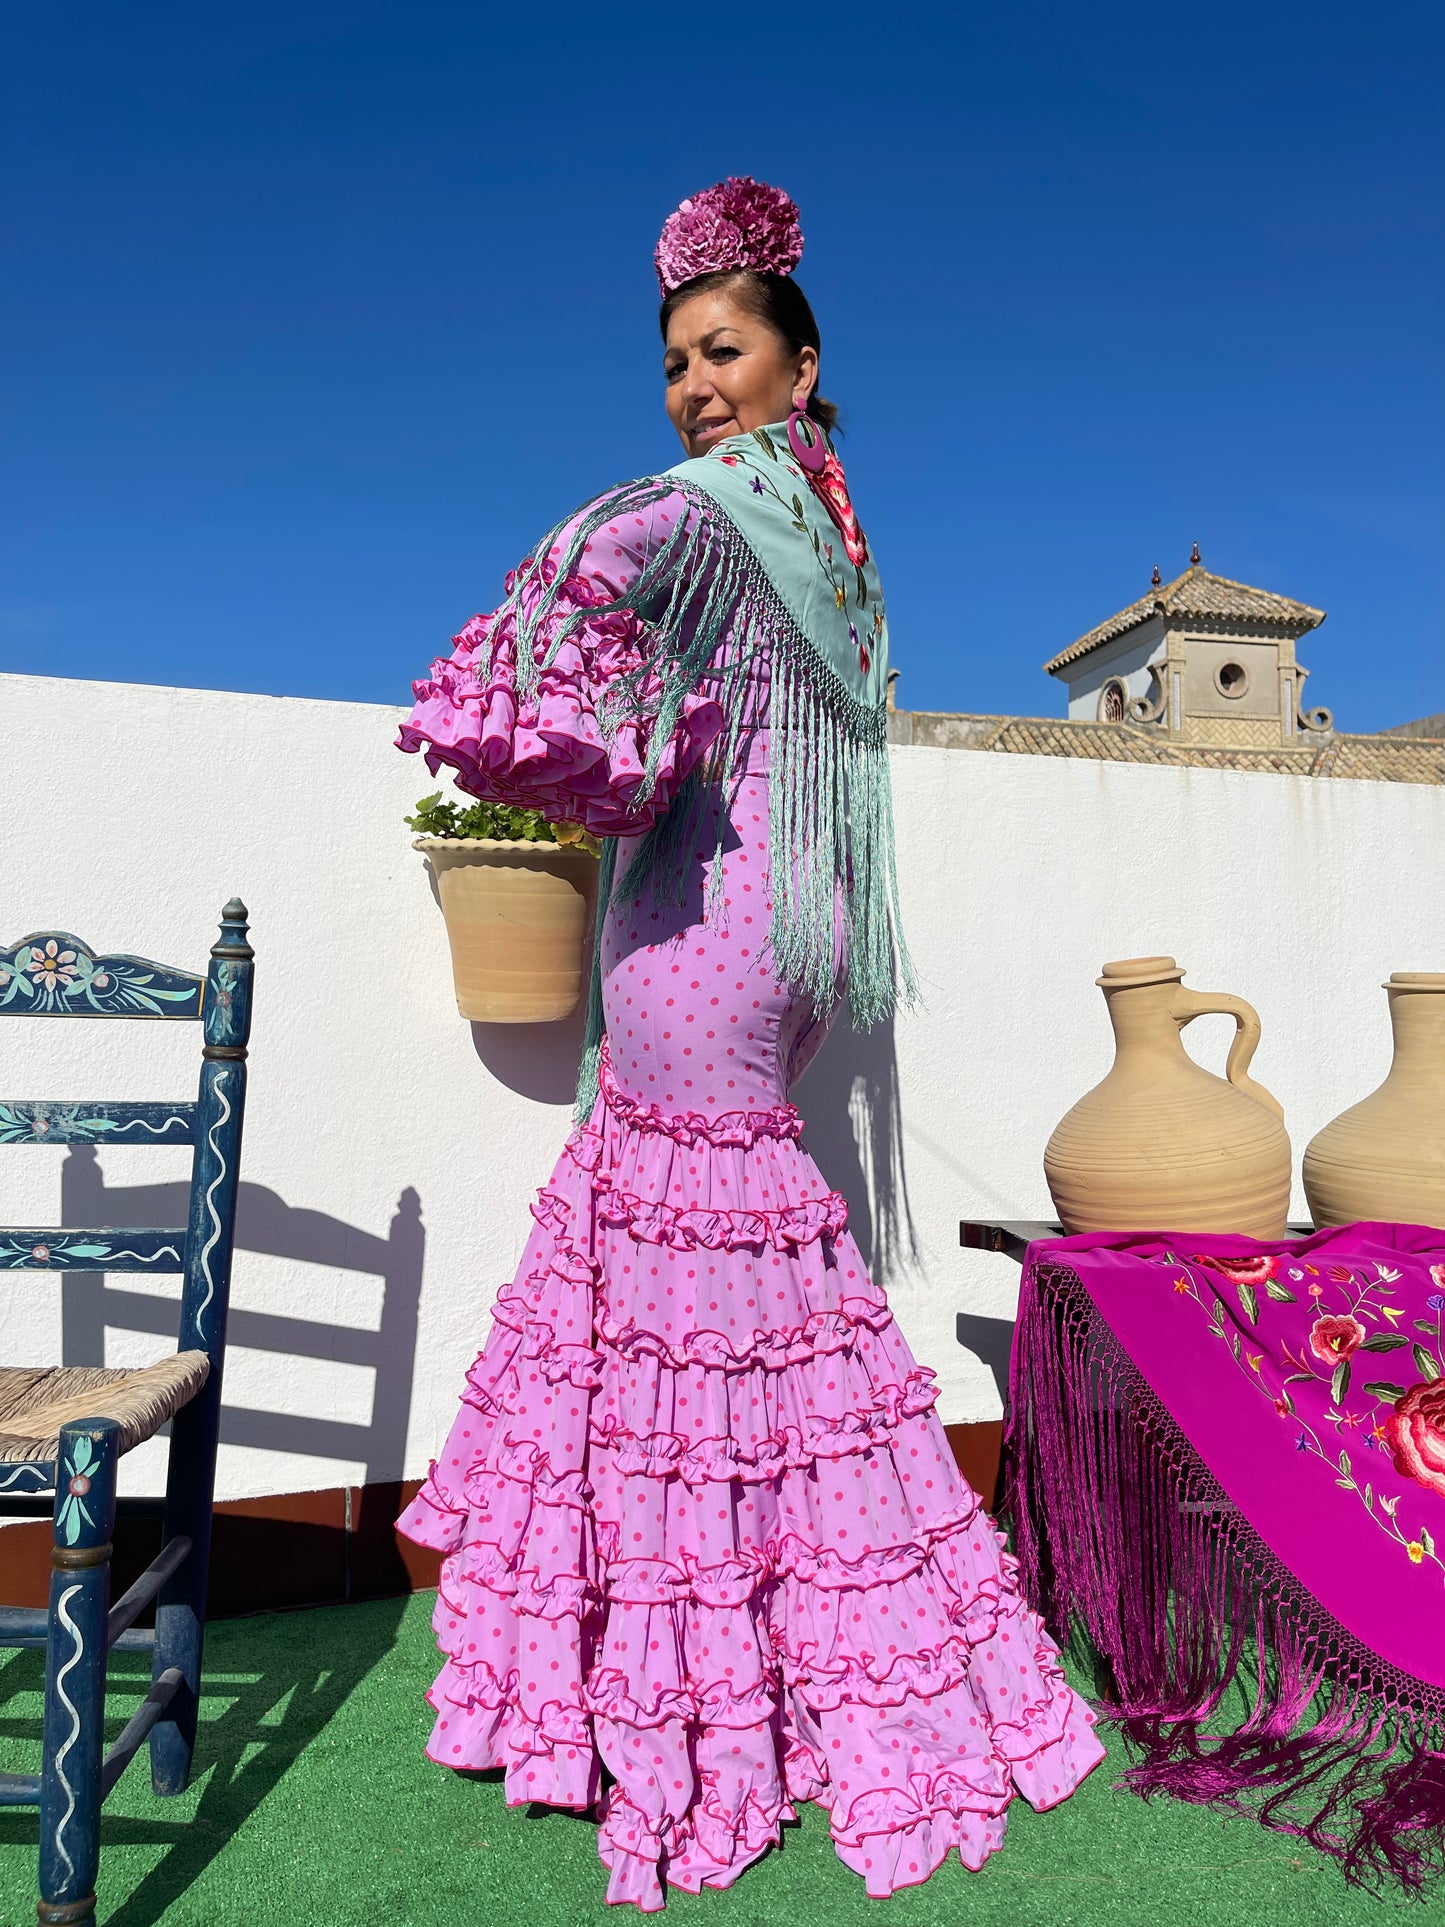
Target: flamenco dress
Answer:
[[701, 1527]]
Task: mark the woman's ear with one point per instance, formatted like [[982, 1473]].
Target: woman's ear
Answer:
[[805, 380]]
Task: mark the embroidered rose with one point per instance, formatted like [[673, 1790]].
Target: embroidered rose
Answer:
[[1333, 1339], [1415, 1432], [1245, 1271], [831, 489]]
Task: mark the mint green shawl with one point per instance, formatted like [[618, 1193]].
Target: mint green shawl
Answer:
[[759, 566]]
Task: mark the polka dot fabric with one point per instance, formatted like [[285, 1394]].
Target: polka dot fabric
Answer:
[[701, 1525]]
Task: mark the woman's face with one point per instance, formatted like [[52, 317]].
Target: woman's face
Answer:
[[728, 372]]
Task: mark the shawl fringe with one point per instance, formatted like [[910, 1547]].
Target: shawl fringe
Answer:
[[1124, 1536], [710, 609]]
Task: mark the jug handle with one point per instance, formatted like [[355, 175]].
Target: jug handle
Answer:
[[1189, 1004]]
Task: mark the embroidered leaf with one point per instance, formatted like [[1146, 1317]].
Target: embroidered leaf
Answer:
[[1424, 1363], [1431, 1328], [1250, 1301], [1287, 1402], [1235, 1345], [798, 507], [1340, 1383], [1281, 1294], [1345, 1463], [1300, 1378], [1216, 1310], [1384, 1342], [1384, 1389], [1369, 1497], [1427, 1542]]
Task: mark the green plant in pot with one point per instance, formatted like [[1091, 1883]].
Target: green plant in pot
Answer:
[[517, 893]]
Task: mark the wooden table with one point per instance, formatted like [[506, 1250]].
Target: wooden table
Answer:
[[1013, 1236]]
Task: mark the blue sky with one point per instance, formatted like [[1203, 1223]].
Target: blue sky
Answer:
[[316, 314]]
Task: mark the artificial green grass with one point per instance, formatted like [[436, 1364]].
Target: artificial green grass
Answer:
[[313, 1804]]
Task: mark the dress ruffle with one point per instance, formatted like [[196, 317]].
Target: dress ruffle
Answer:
[[550, 751], [657, 1552]]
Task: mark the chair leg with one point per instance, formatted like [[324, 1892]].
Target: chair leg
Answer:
[[75, 1671], [181, 1608]]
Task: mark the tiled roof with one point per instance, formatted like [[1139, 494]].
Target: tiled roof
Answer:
[[1194, 596], [1379, 759]]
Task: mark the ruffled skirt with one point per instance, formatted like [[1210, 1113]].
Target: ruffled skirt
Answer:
[[702, 1528]]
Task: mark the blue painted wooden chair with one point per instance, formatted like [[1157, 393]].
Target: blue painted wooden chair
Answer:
[[63, 1430]]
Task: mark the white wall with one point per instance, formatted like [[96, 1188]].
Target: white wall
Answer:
[[129, 814]]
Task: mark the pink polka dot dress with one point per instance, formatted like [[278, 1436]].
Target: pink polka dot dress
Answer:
[[707, 1552]]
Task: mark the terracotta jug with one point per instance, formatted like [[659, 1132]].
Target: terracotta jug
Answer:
[[1162, 1144], [1385, 1156]]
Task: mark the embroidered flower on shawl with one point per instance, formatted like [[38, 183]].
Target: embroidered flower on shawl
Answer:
[[738, 223], [831, 488], [1415, 1431], [1332, 1339], [1245, 1271]]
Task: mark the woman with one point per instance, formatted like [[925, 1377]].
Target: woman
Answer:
[[701, 1527]]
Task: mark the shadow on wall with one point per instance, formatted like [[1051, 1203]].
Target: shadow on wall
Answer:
[[265, 1222], [853, 1129], [538, 1061]]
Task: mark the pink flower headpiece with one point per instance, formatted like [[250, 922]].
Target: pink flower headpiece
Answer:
[[740, 223]]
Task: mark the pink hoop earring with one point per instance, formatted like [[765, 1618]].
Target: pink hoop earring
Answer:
[[807, 441]]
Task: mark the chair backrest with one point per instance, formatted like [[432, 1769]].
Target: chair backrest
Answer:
[[52, 974]]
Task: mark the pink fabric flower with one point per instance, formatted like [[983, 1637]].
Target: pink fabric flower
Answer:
[[1334, 1339], [738, 223]]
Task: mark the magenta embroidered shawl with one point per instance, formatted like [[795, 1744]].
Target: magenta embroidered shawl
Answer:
[[1228, 1458]]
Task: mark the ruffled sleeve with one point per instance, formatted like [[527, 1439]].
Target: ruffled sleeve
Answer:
[[546, 750]]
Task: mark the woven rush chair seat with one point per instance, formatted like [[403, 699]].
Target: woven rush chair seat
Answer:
[[35, 1401]]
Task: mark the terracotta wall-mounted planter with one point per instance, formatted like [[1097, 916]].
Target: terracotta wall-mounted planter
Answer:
[[518, 917], [1384, 1158], [1162, 1144]]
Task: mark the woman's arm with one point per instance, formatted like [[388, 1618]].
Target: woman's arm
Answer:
[[551, 748]]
